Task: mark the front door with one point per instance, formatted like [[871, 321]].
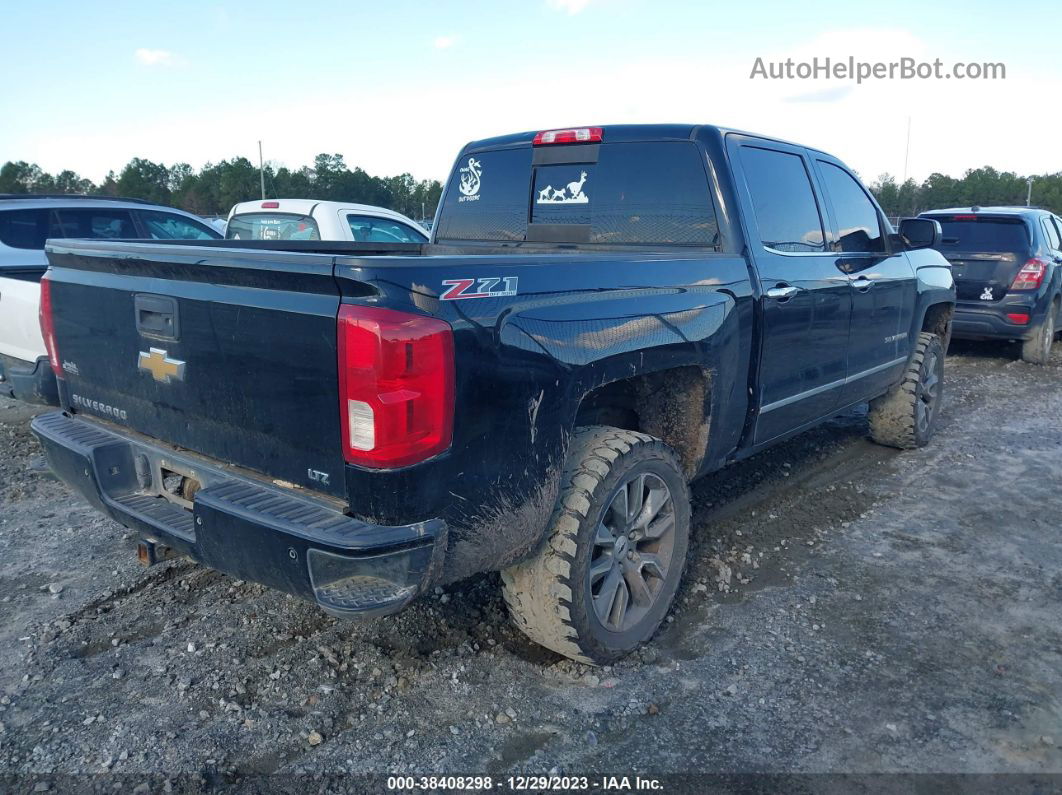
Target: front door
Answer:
[[807, 300]]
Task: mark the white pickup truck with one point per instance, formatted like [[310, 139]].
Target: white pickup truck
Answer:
[[26, 221], [309, 219]]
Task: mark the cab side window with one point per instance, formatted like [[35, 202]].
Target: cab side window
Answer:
[[371, 229], [783, 201], [858, 224]]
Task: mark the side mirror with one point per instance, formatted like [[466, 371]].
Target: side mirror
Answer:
[[920, 233]]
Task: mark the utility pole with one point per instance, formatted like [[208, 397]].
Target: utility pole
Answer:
[[907, 151], [261, 168], [1028, 195]]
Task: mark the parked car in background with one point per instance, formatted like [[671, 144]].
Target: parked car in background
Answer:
[[26, 221], [307, 219], [1006, 266], [603, 315]]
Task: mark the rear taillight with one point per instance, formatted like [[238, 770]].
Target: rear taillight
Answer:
[[575, 135], [1020, 318], [1031, 275], [396, 386], [48, 326], [270, 205]]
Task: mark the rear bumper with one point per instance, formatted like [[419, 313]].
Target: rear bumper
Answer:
[[979, 321], [243, 526], [32, 382]]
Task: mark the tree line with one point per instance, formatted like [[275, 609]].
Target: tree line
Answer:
[[213, 189], [984, 187]]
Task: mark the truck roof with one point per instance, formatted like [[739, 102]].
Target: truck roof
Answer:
[[629, 132], [307, 207], [80, 199], [1019, 211]]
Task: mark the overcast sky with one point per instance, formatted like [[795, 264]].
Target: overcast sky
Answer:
[[400, 86]]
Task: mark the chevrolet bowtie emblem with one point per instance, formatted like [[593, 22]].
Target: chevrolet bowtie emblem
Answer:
[[161, 366]]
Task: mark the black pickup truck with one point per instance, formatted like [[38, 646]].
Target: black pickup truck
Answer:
[[601, 316]]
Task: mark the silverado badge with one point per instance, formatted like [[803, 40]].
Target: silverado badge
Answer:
[[161, 366]]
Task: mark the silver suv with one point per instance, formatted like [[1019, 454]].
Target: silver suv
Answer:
[[26, 222]]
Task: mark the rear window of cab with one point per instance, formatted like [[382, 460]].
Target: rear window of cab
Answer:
[[272, 226], [635, 193]]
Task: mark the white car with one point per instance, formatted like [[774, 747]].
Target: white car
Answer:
[[307, 219], [26, 222]]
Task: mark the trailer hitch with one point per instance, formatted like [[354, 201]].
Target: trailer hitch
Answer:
[[150, 552]]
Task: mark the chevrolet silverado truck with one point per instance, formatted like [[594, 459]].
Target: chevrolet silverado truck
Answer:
[[601, 316]]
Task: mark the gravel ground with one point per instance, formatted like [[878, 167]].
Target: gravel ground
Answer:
[[846, 608]]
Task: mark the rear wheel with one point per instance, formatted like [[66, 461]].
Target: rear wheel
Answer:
[[1037, 349], [906, 416], [616, 548]]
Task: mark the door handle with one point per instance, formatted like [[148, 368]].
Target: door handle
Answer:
[[862, 283], [156, 316], [782, 292]]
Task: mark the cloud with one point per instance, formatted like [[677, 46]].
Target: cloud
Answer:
[[570, 7], [835, 94], [445, 42], [150, 57]]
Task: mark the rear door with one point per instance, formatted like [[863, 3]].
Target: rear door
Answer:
[[807, 301], [882, 283], [1052, 237], [230, 354], [985, 251]]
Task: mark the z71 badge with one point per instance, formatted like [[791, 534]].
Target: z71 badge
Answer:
[[490, 287]]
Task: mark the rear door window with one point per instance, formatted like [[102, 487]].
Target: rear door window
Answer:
[[783, 201], [646, 193], [272, 226], [95, 222], [980, 234], [1051, 233], [371, 229], [29, 229], [858, 224], [170, 226]]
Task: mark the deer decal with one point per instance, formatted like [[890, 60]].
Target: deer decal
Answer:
[[572, 193], [576, 188]]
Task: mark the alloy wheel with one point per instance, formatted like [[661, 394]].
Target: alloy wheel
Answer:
[[928, 393], [633, 548]]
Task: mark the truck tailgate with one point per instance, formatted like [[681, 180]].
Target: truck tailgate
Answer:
[[229, 354]]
